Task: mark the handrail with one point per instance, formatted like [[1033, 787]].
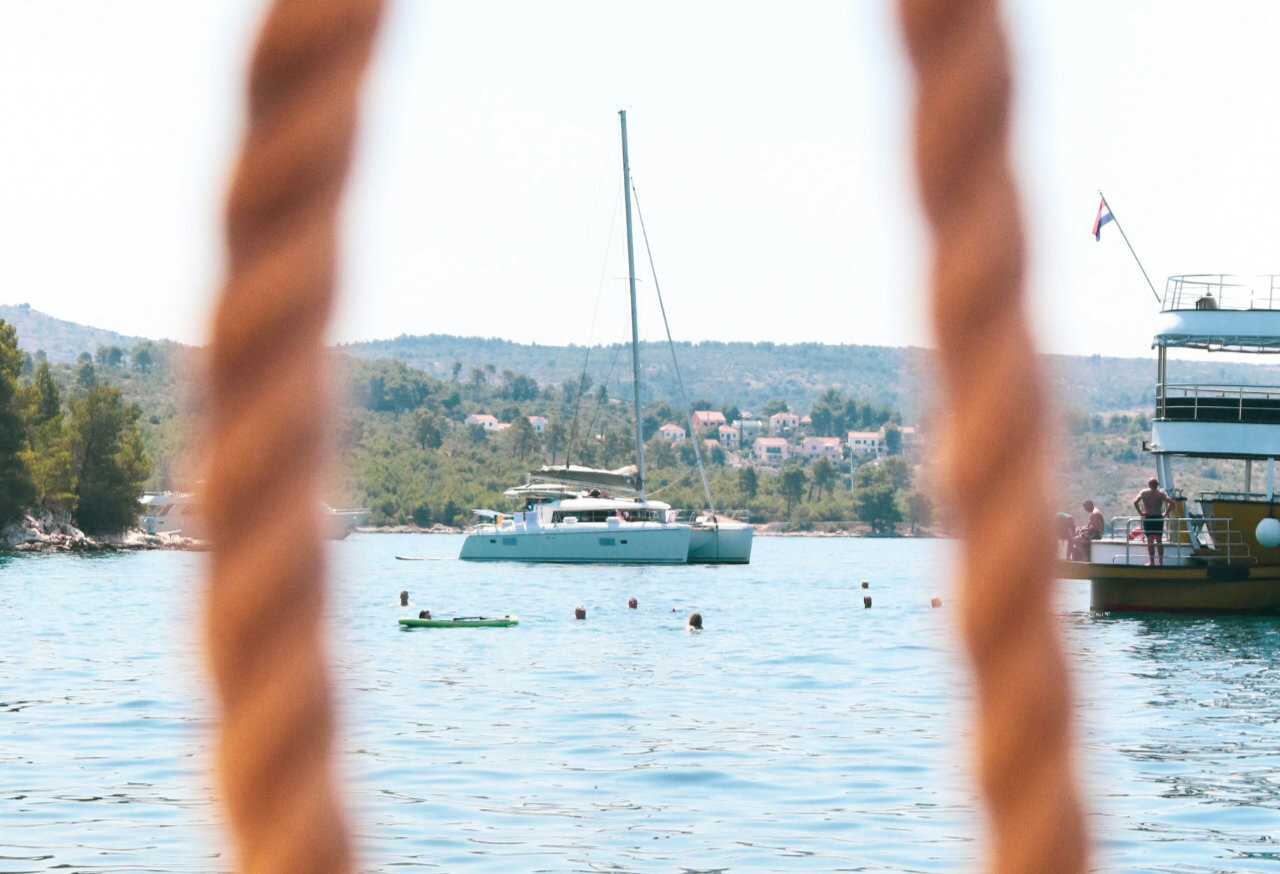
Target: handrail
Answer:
[[1211, 539], [1221, 291], [1213, 401]]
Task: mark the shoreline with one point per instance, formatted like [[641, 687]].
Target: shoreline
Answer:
[[759, 530], [32, 535]]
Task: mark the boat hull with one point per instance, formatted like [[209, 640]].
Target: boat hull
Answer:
[[1186, 589], [666, 544], [722, 543]]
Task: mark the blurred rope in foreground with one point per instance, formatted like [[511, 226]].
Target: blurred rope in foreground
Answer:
[[996, 454], [268, 408]]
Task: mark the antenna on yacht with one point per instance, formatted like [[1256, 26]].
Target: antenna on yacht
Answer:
[[1111, 214], [635, 333]]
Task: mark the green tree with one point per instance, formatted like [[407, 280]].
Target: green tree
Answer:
[[109, 460], [426, 430], [775, 405], [520, 437], [792, 486], [86, 376], [877, 506], [142, 356], [919, 511], [892, 440], [659, 452], [898, 472], [48, 456], [16, 488], [110, 356], [748, 482], [823, 476], [554, 437]]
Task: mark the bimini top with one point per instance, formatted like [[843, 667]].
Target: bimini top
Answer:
[[622, 480], [1220, 312]]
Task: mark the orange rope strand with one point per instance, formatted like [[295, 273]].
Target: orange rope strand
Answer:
[[996, 443], [268, 412]]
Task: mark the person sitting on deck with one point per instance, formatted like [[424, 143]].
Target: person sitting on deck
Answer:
[[1153, 503], [1091, 530]]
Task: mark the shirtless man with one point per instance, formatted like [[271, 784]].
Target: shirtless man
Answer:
[[1091, 530], [1152, 503]]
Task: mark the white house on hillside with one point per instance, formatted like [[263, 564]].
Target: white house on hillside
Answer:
[[830, 447], [730, 438], [770, 450], [671, 432], [865, 442], [910, 437], [783, 423], [703, 418], [538, 423], [486, 421]]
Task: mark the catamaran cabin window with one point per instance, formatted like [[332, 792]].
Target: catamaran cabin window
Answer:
[[605, 515]]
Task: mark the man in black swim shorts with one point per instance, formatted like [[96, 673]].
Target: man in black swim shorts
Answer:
[[1153, 503]]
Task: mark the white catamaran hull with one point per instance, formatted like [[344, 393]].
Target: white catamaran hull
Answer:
[[582, 543], [720, 543]]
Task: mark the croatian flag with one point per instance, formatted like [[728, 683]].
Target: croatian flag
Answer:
[[1104, 216]]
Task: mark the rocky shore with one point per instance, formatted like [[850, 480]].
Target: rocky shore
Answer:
[[43, 533]]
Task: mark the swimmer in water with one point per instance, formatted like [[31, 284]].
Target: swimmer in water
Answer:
[[695, 621]]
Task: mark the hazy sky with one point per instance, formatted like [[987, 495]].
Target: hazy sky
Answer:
[[770, 145]]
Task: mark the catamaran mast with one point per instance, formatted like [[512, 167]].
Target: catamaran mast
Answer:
[[635, 333]]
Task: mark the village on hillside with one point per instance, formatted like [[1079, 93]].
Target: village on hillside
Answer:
[[751, 441]]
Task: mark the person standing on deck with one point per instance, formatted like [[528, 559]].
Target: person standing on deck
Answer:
[[1153, 503]]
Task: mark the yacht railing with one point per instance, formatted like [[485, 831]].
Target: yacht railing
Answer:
[[1221, 291], [1219, 495], [1212, 539], [1258, 404]]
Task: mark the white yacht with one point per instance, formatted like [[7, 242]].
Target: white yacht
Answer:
[[576, 514]]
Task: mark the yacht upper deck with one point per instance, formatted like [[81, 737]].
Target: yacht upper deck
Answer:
[[1217, 311]]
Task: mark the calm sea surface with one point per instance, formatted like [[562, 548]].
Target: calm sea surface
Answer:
[[798, 732]]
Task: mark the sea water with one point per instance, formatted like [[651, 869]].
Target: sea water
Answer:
[[798, 731]]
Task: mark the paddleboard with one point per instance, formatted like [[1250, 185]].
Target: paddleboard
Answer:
[[461, 622]]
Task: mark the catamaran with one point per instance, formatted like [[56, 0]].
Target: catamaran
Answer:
[[577, 514]]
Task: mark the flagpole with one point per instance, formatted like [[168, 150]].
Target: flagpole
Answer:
[[1130, 245]]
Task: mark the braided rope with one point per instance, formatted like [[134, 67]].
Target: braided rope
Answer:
[[996, 442], [268, 406]]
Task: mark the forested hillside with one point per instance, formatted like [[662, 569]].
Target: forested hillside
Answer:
[[60, 340], [750, 374], [408, 453]]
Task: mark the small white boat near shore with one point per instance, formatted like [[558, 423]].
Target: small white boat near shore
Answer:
[[179, 513]]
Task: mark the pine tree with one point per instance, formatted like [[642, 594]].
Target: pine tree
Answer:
[[48, 453], [109, 459], [16, 490]]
